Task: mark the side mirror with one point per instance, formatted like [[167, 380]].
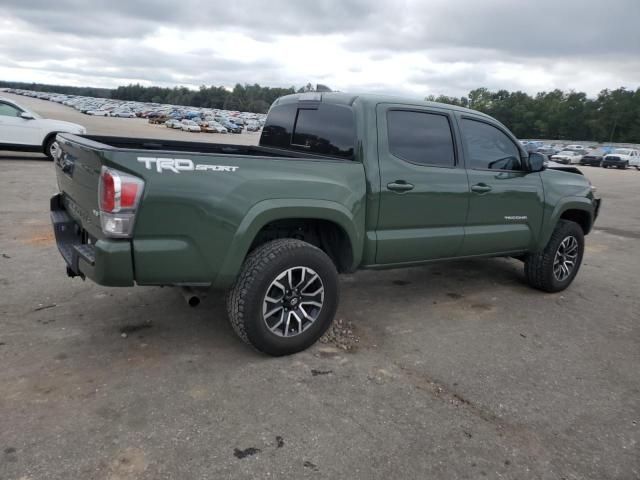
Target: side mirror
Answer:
[[26, 116], [536, 162]]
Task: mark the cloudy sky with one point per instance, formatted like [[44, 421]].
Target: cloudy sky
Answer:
[[416, 47]]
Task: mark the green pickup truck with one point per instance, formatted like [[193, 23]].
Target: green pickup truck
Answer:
[[338, 182]]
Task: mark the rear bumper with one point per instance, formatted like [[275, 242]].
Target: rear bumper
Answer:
[[607, 162], [106, 262], [591, 161]]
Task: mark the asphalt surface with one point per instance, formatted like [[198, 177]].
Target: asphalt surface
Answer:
[[455, 370]]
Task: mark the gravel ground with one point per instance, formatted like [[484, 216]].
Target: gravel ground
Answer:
[[454, 370]]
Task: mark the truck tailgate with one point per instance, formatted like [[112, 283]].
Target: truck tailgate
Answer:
[[78, 175]]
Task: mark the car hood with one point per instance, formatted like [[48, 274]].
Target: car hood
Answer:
[[563, 168], [62, 126], [563, 183]]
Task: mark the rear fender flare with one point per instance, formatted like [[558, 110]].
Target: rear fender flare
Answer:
[[268, 211]]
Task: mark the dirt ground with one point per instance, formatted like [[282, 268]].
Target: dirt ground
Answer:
[[455, 370]]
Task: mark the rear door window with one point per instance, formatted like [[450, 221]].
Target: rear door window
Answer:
[[420, 137]]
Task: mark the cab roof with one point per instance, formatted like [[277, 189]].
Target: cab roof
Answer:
[[340, 98]]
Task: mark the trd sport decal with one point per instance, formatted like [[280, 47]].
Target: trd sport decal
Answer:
[[177, 165]]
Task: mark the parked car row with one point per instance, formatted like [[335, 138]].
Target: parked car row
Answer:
[[604, 156], [210, 120], [619, 158]]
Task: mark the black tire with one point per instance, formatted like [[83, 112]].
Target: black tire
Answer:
[[49, 145], [261, 268], [538, 267]]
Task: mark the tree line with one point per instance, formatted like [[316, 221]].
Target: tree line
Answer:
[[613, 116], [63, 89]]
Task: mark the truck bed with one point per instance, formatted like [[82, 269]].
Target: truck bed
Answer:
[[103, 142]]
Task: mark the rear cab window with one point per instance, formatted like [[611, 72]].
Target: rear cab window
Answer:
[[312, 127]]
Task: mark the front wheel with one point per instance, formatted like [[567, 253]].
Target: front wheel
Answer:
[[554, 268], [285, 297]]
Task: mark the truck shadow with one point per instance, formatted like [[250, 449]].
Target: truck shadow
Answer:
[[156, 322]]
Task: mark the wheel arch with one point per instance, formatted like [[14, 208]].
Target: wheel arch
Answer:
[[339, 224], [47, 138], [579, 216], [575, 209]]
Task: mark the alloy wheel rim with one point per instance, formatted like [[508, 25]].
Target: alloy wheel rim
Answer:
[[54, 148], [293, 301], [566, 258]]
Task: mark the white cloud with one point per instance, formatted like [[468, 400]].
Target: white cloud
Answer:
[[404, 47]]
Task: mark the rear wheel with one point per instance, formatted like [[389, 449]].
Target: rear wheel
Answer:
[[285, 297], [51, 148], [554, 268]]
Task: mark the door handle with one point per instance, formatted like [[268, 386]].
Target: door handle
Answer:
[[400, 186], [481, 188]]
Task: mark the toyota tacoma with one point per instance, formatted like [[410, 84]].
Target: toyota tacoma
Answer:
[[337, 183]]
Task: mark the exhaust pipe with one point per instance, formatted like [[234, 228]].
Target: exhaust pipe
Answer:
[[190, 296]]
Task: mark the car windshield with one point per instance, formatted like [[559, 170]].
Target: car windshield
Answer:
[[622, 151]]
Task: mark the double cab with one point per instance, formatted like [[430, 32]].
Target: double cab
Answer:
[[337, 183]]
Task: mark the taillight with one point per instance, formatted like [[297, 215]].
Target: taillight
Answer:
[[107, 191], [119, 196]]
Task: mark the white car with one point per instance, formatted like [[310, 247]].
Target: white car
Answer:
[[567, 157], [22, 130], [190, 126], [123, 114], [576, 148], [622, 158]]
